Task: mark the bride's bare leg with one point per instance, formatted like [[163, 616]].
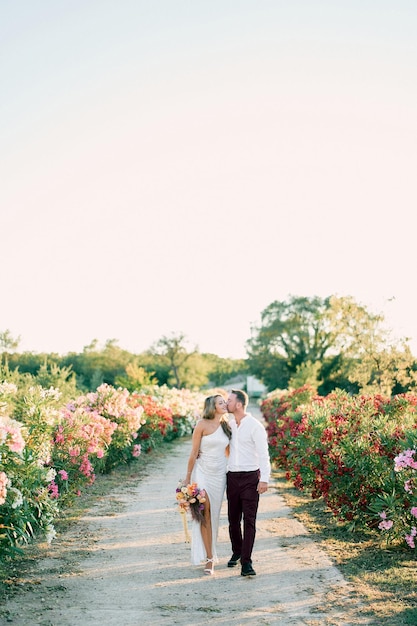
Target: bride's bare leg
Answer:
[[206, 534]]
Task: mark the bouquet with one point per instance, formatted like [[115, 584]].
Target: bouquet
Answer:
[[191, 498]]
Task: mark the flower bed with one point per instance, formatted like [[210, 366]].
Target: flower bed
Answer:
[[343, 448], [50, 451]]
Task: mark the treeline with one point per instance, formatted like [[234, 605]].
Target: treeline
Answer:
[[166, 363], [328, 343]]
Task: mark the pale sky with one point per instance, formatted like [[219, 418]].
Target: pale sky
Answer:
[[175, 166]]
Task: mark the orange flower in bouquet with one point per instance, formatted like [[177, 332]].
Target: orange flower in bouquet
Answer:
[[191, 498]]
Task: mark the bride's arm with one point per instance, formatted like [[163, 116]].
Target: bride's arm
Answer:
[[195, 449]]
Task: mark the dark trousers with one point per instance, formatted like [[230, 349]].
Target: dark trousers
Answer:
[[242, 502]]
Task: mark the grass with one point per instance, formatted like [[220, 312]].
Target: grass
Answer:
[[385, 578]]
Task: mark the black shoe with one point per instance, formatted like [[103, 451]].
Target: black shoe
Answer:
[[247, 570], [234, 560]]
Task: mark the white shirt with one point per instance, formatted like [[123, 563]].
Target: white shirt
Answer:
[[249, 447]]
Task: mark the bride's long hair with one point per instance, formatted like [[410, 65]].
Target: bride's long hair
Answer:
[[209, 412]]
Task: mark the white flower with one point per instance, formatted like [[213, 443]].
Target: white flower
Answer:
[[50, 475], [17, 497], [52, 392], [6, 387], [50, 533]]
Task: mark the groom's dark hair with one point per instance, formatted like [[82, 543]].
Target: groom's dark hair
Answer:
[[241, 396]]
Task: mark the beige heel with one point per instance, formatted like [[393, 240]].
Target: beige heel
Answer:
[[209, 571]]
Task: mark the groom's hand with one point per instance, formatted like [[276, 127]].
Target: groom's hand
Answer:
[[262, 487]]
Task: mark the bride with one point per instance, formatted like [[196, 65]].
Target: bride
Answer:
[[207, 467]]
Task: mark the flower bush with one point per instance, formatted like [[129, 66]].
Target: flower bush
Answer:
[[185, 406], [26, 507], [341, 447], [395, 507], [51, 449], [115, 405], [168, 413], [157, 420], [81, 437]]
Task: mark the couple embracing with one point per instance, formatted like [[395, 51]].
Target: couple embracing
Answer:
[[232, 455]]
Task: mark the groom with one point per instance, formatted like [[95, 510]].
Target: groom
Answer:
[[247, 477]]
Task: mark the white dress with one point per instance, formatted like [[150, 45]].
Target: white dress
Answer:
[[210, 474]]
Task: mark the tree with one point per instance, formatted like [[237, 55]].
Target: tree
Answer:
[[221, 369], [7, 342], [155, 365], [168, 362], [291, 333], [347, 345], [174, 351], [135, 378], [31, 362], [95, 365], [306, 374], [378, 362], [195, 371]]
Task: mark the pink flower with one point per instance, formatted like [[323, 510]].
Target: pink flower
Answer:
[[405, 459], [17, 442], [3, 487], [407, 486], [11, 435], [410, 538], [63, 474], [136, 449], [59, 438], [385, 524], [53, 488], [85, 467], [414, 511]]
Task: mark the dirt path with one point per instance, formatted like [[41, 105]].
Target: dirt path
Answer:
[[127, 564]]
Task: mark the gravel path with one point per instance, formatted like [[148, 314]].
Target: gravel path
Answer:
[[127, 564]]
